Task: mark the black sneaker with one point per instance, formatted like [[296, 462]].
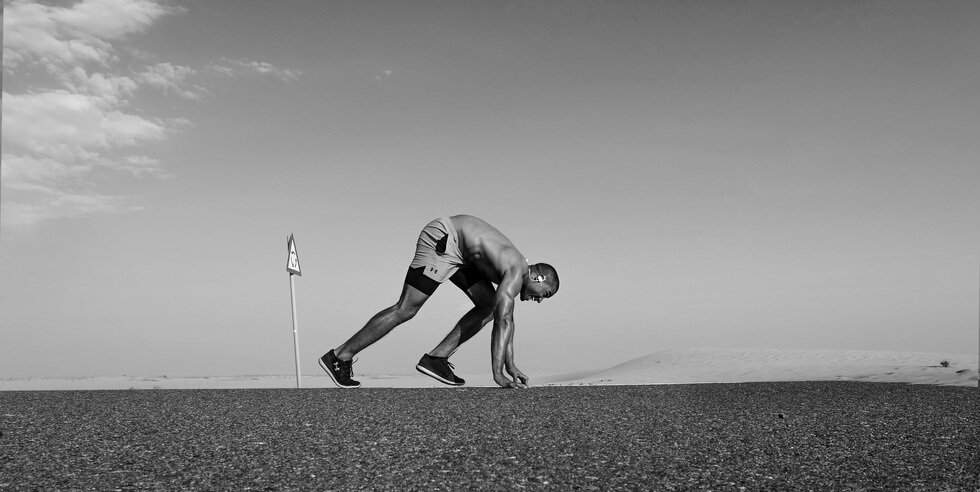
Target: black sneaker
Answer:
[[439, 368], [338, 370]]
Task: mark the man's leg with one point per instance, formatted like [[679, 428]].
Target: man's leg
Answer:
[[481, 293], [383, 322]]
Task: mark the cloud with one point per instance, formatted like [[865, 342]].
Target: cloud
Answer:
[[237, 68], [141, 165], [44, 189], [53, 36], [172, 79], [58, 141], [71, 127], [106, 90], [60, 204], [25, 173], [81, 117]]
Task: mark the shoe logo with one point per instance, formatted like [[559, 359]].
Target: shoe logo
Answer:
[[336, 366]]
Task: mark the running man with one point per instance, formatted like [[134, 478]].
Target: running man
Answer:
[[474, 256]]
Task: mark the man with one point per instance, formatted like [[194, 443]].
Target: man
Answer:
[[474, 256]]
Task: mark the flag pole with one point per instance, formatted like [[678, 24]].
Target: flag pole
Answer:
[[292, 267], [292, 302]]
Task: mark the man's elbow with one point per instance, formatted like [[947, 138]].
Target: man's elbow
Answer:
[[504, 312], [503, 304]]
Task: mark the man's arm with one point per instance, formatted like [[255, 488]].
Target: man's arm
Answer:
[[502, 337], [509, 364]]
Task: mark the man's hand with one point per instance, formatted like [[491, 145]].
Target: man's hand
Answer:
[[518, 376], [507, 383]]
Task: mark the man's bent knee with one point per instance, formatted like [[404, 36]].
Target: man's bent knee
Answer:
[[404, 312], [408, 305], [484, 311]]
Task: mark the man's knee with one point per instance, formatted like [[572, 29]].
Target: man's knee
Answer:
[[481, 294], [405, 311], [484, 310], [409, 302]]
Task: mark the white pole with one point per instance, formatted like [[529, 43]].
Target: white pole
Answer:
[[292, 301]]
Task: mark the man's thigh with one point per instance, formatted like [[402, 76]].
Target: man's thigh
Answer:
[[419, 280], [477, 287], [412, 298]]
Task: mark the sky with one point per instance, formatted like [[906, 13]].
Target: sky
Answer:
[[724, 174]]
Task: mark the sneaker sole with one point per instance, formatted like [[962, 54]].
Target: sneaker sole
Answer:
[[334, 378], [435, 376]]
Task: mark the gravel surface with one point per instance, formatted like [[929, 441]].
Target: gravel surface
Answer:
[[752, 436]]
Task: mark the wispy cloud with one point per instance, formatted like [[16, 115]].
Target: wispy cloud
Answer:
[[56, 137], [47, 189], [81, 115], [70, 127], [61, 203], [239, 68], [62, 38], [173, 79]]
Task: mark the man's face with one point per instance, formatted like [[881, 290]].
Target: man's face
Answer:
[[535, 291]]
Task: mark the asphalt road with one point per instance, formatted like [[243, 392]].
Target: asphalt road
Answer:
[[754, 436]]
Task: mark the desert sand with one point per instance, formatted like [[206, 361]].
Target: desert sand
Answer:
[[742, 366], [666, 367]]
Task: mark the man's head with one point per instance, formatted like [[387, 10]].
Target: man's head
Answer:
[[540, 282]]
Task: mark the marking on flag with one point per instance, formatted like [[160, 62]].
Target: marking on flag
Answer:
[[292, 264]]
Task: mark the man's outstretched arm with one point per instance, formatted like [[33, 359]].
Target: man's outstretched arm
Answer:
[[509, 364], [502, 337]]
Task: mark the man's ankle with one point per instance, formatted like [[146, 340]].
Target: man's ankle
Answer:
[[441, 354]]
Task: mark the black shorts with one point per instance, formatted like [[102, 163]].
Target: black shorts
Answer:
[[464, 278]]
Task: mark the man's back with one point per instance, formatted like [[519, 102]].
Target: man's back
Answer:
[[486, 248]]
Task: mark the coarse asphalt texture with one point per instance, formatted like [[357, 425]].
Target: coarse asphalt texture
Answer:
[[751, 436]]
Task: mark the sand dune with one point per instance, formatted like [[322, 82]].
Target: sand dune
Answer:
[[736, 365], [666, 367]]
